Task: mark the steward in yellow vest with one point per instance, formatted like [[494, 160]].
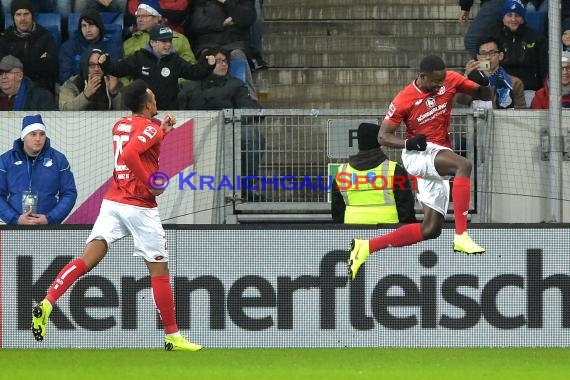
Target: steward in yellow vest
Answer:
[[370, 189]]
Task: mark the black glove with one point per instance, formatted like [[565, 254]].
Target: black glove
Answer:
[[417, 143], [478, 77]]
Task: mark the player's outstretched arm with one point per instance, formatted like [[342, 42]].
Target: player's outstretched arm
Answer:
[[387, 136]]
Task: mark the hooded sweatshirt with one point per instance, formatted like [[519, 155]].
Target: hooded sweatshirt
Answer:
[[72, 98], [71, 51]]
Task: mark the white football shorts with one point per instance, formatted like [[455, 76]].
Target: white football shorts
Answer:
[[433, 190], [117, 220]]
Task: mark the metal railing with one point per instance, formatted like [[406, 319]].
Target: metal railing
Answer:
[[289, 154]]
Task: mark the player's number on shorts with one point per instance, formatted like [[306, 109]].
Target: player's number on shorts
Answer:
[[119, 140]]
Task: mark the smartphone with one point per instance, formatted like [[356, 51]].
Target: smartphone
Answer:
[[484, 65]]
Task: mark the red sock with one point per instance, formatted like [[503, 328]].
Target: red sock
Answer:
[[66, 277], [461, 196], [164, 300], [402, 236]]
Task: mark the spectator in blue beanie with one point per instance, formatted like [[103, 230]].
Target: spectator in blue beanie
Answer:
[[36, 182]]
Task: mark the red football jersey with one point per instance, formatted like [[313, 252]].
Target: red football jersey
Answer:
[[136, 143], [426, 113]]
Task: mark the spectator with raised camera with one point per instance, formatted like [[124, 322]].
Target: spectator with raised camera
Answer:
[[508, 90]]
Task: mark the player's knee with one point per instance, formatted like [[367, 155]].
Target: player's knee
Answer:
[[466, 166], [431, 232]]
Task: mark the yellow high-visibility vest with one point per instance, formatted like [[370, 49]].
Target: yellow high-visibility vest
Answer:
[[368, 205]]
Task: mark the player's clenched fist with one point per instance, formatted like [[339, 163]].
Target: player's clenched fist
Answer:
[[168, 123]]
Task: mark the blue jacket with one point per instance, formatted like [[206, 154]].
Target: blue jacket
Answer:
[[72, 50], [48, 175]]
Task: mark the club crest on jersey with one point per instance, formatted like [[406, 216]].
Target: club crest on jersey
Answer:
[[430, 102], [150, 131], [165, 72]]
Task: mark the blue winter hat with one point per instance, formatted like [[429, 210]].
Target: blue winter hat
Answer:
[[151, 6], [515, 6], [30, 124]]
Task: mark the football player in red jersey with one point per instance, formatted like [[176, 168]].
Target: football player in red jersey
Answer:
[[425, 108], [129, 208]]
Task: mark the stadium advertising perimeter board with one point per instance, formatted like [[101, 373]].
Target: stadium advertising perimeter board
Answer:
[[276, 287]]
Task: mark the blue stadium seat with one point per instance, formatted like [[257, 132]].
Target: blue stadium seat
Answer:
[[111, 20], [114, 18], [238, 68], [537, 21], [114, 33], [50, 21]]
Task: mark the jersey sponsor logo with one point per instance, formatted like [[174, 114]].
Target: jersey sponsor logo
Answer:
[[391, 110], [124, 128], [165, 72], [432, 113], [18, 162], [150, 131], [142, 139], [145, 70]]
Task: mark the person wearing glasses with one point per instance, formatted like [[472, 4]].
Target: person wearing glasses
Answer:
[[218, 91], [508, 90], [90, 90], [149, 14], [160, 66], [90, 35], [224, 24], [525, 50], [541, 98], [18, 92]]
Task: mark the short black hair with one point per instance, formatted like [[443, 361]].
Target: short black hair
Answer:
[[487, 40], [135, 95], [431, 63]]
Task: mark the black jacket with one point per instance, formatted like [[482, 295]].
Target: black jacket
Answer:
[[29, 49], [215, 93], [205, 24], [526, 55], [369, 159], [161, 74]]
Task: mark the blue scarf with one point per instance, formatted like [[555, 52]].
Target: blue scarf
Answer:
[[21, 95], [503, 85]]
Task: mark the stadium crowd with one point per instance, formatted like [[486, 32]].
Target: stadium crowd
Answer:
[[48, 44]]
